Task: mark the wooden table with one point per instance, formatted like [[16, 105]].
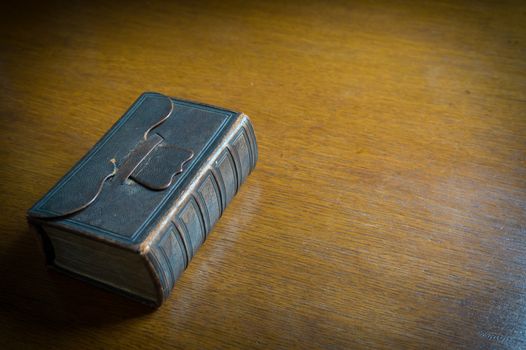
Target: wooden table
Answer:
[[388, 207]]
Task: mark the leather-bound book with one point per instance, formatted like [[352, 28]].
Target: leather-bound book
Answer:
[[133, 212]]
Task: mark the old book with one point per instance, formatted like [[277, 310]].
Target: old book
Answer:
[[131, 214]]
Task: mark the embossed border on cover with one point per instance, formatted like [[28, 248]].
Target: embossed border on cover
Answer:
[[229, 115]]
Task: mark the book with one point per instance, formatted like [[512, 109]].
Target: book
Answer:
[[132, 213]]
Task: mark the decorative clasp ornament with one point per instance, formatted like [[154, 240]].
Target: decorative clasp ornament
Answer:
[[153, 163]]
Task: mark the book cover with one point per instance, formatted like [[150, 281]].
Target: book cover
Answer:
[[131, 214]]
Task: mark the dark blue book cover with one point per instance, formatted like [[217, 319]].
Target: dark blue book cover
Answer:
[[145, 197]]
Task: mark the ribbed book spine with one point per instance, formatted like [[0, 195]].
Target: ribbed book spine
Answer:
[[172, 248]]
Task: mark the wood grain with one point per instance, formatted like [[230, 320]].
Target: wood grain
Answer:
[[387, 209]]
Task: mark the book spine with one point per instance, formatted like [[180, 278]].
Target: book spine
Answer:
[[189, 224]]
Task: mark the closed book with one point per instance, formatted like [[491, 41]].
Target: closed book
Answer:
[[132, 213]]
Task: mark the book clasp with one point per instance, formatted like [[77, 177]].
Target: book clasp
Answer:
[[153, 163]]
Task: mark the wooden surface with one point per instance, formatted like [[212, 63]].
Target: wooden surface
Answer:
[[387, 209]]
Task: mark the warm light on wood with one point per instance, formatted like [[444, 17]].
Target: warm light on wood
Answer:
[[387, 207]]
